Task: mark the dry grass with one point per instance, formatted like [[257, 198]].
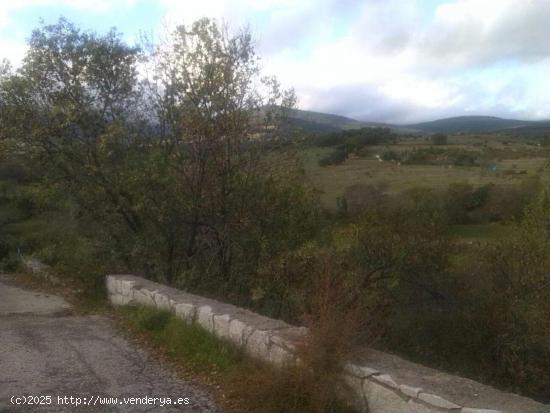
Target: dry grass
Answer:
[[314, 384], [332, 180]]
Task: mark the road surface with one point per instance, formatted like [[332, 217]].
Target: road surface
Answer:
[[51, 355]]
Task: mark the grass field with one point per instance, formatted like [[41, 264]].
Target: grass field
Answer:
[[514, 162], [478, 232]]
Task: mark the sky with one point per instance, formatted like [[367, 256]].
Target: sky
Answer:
[[397, 61]]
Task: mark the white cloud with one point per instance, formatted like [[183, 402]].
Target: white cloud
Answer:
[[467, 58], [473, 32], [13, 51], [390, 60], [97, 6]]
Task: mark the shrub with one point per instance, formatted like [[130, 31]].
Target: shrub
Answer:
[[334, 158], [462, 200], [403, 247], [389, 155], [507, 303], [462, 158], [326, 291], [507, 203], [492, 319], [439, 139], [363, 152], [330, 140], [363, 197], [10, 262]]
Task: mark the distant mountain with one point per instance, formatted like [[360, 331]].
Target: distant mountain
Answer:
[[327, 123], [533, 129], [471, 124]]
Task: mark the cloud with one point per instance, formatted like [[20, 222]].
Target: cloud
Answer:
[[12, 50], [387, 60], [359, 101], [96, 6], [476, 32], [13, 45], [398, 63]]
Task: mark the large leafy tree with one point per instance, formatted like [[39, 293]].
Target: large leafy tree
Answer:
[[220, 120], [170, 154], [72, 94]]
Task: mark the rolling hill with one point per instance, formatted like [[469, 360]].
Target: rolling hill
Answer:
[[319, 122], [327, 123], [471, 124]]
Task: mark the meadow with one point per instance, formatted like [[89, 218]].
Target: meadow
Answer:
[[509, 163]]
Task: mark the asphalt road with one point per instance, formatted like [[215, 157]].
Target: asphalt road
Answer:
[[46, 351]]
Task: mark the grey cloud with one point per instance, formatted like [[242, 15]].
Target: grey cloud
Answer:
[[365, 102], [360, 101], [290, 28], [521, 34], [386, 27], [287, 31]]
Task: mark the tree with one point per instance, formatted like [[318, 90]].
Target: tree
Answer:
[[219, 117], [403, 247], [505, 290], [181, 174], [74, 92], [439, 139]]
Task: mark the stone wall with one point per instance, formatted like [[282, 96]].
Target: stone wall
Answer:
[[383, 383]]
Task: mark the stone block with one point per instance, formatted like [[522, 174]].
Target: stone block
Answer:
[[471, 410], [162, 301], [437, 401], [221, 325], [386, 380], [258, 344], [118, 299], [410, 391], [125, 287], [143, 297], [359, 371], [185, 311], [280, 356], [415, 407], [355, 386], [383, 400], [289, 338], [205, 317], [111, 284], [239, 332]]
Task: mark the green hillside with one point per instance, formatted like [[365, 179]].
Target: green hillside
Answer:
[[470, 124]]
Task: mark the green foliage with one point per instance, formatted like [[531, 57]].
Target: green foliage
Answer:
[[462, 198], [336, 157], [252, 384], [360, 197], [507, 203], [353, 140], [188, 178], [404, 245], [492, 320], [183, 177], [505, 291], [389, 155], [183, 341], [462, 158], [439, 139], [432, 156], [10, 262]]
